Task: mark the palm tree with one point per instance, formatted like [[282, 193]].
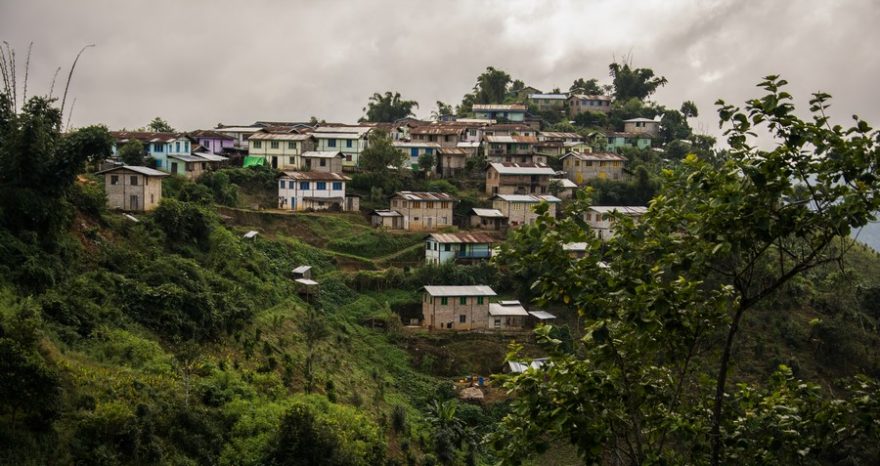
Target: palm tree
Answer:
[[450, 432]]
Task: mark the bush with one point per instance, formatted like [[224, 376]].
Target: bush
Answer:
[[88, 197]]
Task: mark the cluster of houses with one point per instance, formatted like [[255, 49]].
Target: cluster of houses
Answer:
[[472, 308]]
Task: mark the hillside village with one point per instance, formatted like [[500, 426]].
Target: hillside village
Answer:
[[507, 155]]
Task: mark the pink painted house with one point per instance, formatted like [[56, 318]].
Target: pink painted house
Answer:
[[212, 141]]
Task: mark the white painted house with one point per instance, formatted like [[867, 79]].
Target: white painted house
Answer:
[[446, 247], [314, 190], [600, 220]]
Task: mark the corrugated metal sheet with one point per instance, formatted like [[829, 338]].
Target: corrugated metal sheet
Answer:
[[424, 196], [626, 210], [473, 290], [542, 315], [146, 171], [279, 137], [488, 213], [386, 213], [499, 107], [314, 154], [507, 308], [479, 238], [512, 139], [315, 176], [594, 156], [535, 198], [512, 168]]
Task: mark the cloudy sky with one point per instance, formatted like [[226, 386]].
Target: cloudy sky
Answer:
[[197, 63]]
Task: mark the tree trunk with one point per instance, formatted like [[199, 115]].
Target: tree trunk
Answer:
[[717, 408]]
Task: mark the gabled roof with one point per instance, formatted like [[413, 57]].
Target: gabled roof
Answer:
[[559, 135], [640, 120], [146, 171], [594, 156], [410, 144], [512, 168], [187, 157], [238, 129], [444, 129], [476, 238], [512, 139], [263, 136], [507, 308], [488, 213], [386, 213], [315, 176], [147, 136], [211, 157], [623, 209], [528, 198], [210, 134], [472, 290], [499, 108], [424, 196], [339, 131], [547, 96], [321, 154], [452, 151], [589, 97], [565, 182], [302, 269], [542, 315]]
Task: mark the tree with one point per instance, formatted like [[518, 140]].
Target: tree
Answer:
[[491, 87], [381, 154], [39, 165], [663, 300], [314, 330], [450, 432], [388, 107], [132, 153], [159, 125], [586, 87], [591, 119], [426, 162], [674, 126], [443, 110], [638, 83], [689, 109]]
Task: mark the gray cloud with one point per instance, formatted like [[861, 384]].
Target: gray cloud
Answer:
[[199, 63]]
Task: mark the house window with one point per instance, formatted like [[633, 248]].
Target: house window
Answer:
[[291, 145], [177, 147], [348, 142], [429, 151], [273, 144], [448, 247], [462, 300], [281, 184], [444, 301], [348, 157], [323, 163], [322, 185], [186, 146], [134, 181], [462, 319], [427, 245], [158, 147], [291, 160], [337, 186], [114, 180], [258, 144], [303, 185], [479, 300], [331, 143]]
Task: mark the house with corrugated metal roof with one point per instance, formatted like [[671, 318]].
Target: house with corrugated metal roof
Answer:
[[423, 211], [451, 161], [386, 218], [213, 142], [500, 112], [416, 149], [446, 135], [507, 315], [463, 247], [156, 145], [456, 307], [314, 190], [641, 126], [488, 219], [518, 178], [321, 161], [520, 208], [132, 188], [350, 140], [282, 150], [581, 167], [579, 103], [548, 102], [517, 149]]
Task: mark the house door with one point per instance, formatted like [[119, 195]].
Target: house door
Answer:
[[174, 168], [274, 162], [430, 221], [292, 203], [133, 202]]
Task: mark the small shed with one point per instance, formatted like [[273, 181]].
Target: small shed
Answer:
[[390, 219], [307, 287], [488, 219], [303, 271], [507, 315], [541, 317], [517, 367]]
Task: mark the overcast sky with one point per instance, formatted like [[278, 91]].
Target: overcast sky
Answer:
[[197, 63]]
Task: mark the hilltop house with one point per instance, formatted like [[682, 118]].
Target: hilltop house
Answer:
[[615, 140], [602, 223], [641, 126], [156, 145], [350, 140], [488, 219], [445, 247], [548, 102], [423, 210], [213, 142], [133, 188], [519, 209], [579, 103], [519, 149], [314, 190], [456, 307], [508, 112], [446, 134], [281, 150], [518, 178], [581, 167], [415, 150], [317, 161]]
